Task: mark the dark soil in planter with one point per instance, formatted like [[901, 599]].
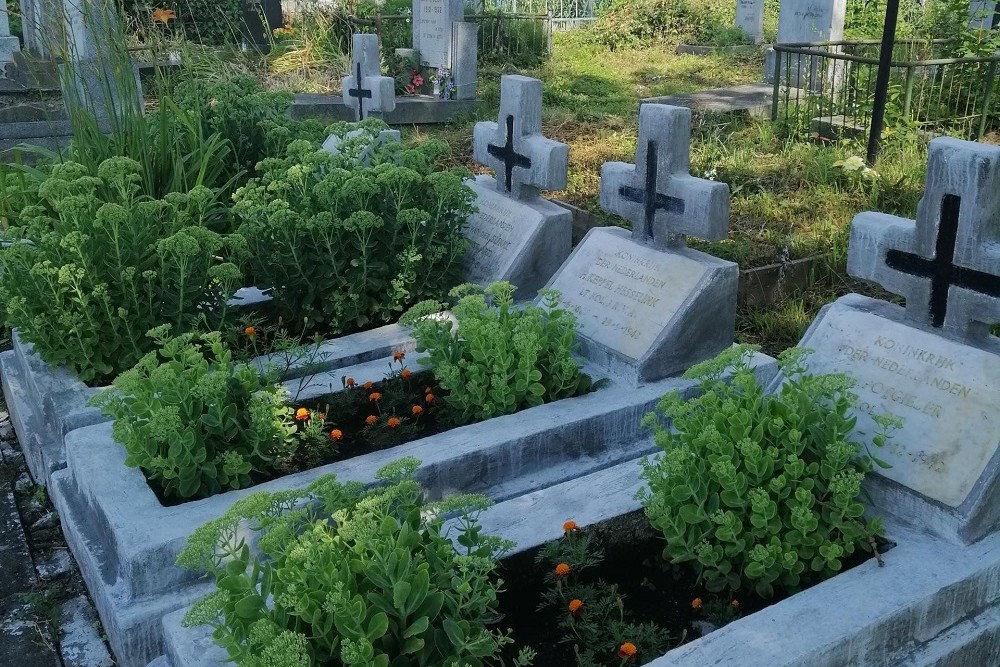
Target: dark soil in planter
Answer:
[[651, 590]]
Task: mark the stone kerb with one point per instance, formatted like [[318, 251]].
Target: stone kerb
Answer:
[[517, 235], [647, 305], [126, 542], [933, 363]]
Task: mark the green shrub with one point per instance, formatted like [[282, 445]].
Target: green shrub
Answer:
[[203, 21], [380, 584], [341, 246], [93, 265], [193, 421], [634, 22], [500, 358], [756, 488]]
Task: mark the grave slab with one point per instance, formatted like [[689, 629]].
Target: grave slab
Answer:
[[126, 542]]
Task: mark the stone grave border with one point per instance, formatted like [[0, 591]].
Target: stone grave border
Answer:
[[126, 542], [411, 110], [933, 604]]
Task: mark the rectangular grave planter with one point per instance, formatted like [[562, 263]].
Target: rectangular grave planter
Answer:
[[934, 604], [126, 542], [47, 402]]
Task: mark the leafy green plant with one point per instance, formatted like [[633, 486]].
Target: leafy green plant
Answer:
[[499, 358], [342, 246], [379, 584], [93, 265], [592, 615], [193, 421], [755, 488]]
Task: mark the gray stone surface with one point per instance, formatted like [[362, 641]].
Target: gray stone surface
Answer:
[[982, 13], [806, 21], [365, 90], [647, 305], [416, 110], [126, 542], [750, 18], [432, 26], [360, 144], [80, 644], [753, 98], [465, 59]]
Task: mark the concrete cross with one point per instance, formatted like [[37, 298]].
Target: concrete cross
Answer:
[[365, 90], [657, 194], [524, 161], [946, 263]]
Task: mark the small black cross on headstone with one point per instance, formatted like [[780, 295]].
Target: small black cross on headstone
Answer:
[[651, 200], [359, 92], [508, 155], [942, 270]]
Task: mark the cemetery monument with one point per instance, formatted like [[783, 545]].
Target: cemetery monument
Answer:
[[750, 18], [444, 39], [365, 89], [9, 45], [805, 21]]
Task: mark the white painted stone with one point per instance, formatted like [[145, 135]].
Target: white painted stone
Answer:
[[361, 151], [811, 21], [750, 18], [364, 89], [465, 59], [432, 28]]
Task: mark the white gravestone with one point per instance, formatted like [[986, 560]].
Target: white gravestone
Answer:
[[806, 21], [750, 18], [933, 363], [648, 306], [360, 143], [365, 90], [9, 45], [516, 234], [432, 30]]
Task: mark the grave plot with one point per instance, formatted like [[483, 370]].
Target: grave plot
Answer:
[[126, 540], [365, 90]]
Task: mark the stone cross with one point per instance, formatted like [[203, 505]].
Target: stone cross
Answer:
[[524, 161], [365, 90], [946, 263], [657, 194]]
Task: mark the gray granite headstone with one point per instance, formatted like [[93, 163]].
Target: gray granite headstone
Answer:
[[647, 305], [365, 90], [432, 30], [516, 234], [932, 363], [750, 18], [465, 59], [806, 21]]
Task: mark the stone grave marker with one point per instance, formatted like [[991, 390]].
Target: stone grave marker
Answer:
[[750, 18], [648, 306], [9, 45], [365, 89], [984, 14], [332, 144], [432, 30], [933, 364], [516, 234], [806, 21]]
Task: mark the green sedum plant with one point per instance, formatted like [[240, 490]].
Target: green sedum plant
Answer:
[[93, 264], [342, 246], [499, 358], [196, 423], [760, 489], [377, 584]]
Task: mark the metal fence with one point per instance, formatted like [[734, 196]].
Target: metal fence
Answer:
[[828, 88], [565, 14]]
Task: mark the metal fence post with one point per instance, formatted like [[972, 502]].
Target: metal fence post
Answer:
[[908, 91], [882, 80], [777, 83], [987, 98]]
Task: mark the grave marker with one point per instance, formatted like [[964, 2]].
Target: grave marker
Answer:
[[648, 306], [516, 234], [9, 45], [432, 30], [750, 18], [806, 21], [933, 362], [365, 89]]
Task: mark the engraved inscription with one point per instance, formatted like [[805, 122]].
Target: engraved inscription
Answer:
[[498, 231], [435, 33]]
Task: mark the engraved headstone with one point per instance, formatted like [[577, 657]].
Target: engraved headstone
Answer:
[[932, 363], [432, 30], [647, 305], [750, 18], [806, 21], [365, 89], [516, 234], [9, 45]]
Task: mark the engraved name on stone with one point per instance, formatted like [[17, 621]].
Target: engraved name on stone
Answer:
[[498, 232]]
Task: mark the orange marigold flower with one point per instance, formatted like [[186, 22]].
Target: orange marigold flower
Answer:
[[627, 651], [417, 410], [349, 382], [406, 373], [393, 422], [369, 384], [336, 434], [301, 414], [374, 396], [163, 15], [569, 526], [429, 398], [575, 606], [399, 356], [250, 332], [428, 390], [736, 604], [371, 419], [696, 603], [562, 570]]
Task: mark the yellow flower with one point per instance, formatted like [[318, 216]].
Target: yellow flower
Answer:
[[627, 651], [250, 332], [301, 414], [163, 16]]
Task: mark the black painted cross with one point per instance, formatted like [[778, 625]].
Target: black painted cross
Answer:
[[365, 82], [524, 161], [657, 194], [946, 263]]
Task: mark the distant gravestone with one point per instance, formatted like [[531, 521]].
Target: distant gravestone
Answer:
[[984, 14], [806, 21], [360, 143], [750, 18], [365, 90], [9, 45], [432, 30], [933, 363], [516, 234], [647, 305]]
